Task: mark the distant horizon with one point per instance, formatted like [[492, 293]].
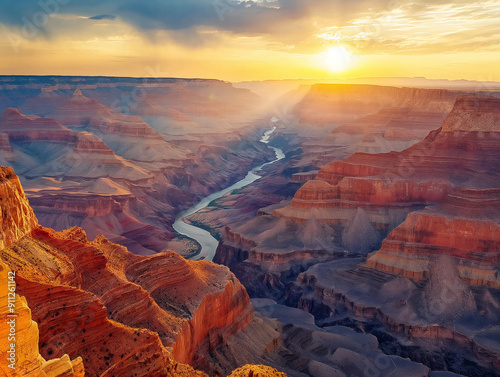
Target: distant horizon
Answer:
[[256, 81]]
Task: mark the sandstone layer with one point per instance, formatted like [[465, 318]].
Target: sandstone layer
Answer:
[[256, 371], [19, 348]]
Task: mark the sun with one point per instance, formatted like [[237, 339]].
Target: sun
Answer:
[[337, 59]]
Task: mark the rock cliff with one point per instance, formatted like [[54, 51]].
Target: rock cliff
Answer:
[[19, 348], [256, 371], [17, 218], [335, 103]]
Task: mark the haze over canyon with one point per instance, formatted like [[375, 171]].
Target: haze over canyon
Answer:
[[361, 236]]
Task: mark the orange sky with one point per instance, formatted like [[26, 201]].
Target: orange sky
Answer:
[[252, 40]]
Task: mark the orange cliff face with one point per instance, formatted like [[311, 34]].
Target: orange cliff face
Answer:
[[122, 314], [19, 355], [17, 217], [466, 226]]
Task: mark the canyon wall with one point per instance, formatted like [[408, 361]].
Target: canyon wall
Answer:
[[19, 348]]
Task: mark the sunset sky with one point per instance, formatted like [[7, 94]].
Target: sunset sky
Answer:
[[252, 40]]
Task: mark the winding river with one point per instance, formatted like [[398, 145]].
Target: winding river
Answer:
[[205, 239]]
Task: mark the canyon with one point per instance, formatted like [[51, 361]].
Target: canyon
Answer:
[[116, 313], [358, 225], [371, 248], [87, 158]]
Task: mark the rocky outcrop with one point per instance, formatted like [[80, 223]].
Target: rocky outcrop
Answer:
[[466, 227], [256, 371], [465, 223], [21, 128], [424, 174], [19, 338], [474, 114], [315, 193], [17, 217], [427, 314], [218, 305]]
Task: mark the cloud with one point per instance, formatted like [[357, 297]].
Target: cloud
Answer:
[[102, 17], [396, 23]]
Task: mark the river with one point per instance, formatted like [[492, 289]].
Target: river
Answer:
[[205, 239]]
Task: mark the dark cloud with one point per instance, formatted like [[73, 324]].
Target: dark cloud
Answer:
[[231, 15], [102, 17]]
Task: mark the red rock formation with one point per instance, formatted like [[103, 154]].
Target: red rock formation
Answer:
[[17, 217], [315, 193], [466, 226], [19, 355], [358, 165], [424, 172], [20, 127], [465, 153], [12, 119], [88, 143], [256, 371], [474, 113], [120, 312], [79, 110]]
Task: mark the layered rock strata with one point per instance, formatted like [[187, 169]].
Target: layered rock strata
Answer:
[[19, 348], [122, 314], [164, 144]]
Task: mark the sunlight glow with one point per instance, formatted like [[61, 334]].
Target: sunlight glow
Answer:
[[337, 59]]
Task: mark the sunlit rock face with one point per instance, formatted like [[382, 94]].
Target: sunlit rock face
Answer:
[[17, 217], [26, 361], [256, 371]]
